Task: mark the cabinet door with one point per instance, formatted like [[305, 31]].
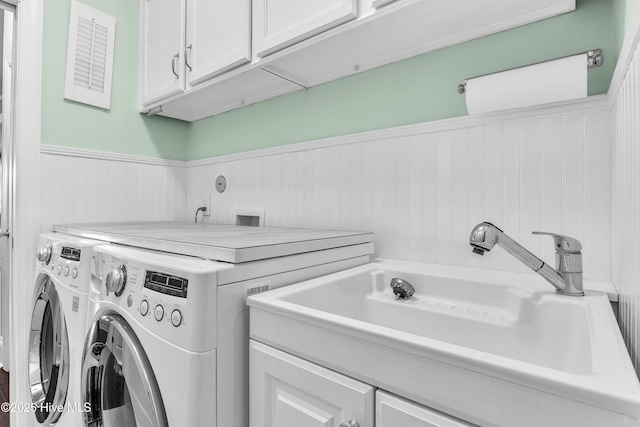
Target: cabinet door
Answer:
[[286, 391], [394, 411], [280, 23], [218, 37], [380, 3], [161, 49]]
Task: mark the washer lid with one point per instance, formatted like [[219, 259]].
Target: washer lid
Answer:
[[229, 243]]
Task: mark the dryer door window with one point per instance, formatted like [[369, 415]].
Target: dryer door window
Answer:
[[48, 353], [118, 384]]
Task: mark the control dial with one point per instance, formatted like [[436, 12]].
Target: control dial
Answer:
[[159, 312], [144, 307], [44, 254], [176, 317], [116, 280]]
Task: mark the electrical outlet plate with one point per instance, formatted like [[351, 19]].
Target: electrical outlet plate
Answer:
[[205, 200]]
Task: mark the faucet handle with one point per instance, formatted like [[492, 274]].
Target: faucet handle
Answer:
[[563, 243]]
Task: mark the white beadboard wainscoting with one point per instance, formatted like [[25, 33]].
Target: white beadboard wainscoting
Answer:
[[422, 188], [626, 205], [87, 186], [419, 188]]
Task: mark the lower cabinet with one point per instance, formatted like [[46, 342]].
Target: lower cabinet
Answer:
[[394, 411], [287, 391]]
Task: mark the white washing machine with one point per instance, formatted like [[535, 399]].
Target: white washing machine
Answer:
[[168, 339], [150, 352], [58, 328]]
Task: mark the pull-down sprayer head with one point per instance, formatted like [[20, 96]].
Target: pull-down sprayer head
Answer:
[[483, 237]]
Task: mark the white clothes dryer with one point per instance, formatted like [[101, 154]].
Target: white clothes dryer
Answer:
[[58, 327], [168, 341]]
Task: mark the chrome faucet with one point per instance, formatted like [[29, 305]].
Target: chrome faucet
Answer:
[[567, 278]]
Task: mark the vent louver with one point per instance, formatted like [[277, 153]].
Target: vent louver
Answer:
[[90, 56]]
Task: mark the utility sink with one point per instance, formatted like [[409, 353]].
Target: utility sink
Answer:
[[492, 348]]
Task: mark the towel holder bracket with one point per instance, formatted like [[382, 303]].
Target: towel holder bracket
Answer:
[[594, 60]]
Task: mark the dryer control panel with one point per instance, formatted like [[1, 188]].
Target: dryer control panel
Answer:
[[172, 296]]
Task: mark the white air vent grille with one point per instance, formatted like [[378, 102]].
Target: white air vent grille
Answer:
[[90, 56]]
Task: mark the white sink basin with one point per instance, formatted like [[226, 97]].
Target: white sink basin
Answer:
[[505, 321], [492, 348]]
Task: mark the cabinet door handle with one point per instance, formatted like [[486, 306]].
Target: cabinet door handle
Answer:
[[173, 64], [350, 423], [187, 57]]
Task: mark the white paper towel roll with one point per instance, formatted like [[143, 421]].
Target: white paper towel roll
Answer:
[[557, 80]]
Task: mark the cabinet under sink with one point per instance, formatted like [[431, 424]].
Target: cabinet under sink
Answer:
[[288, 391]]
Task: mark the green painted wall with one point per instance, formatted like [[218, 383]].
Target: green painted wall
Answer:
[[121, 129], [416, 90], [622, 11]]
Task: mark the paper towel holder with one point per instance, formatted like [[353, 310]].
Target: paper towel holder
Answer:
[[594, 60]]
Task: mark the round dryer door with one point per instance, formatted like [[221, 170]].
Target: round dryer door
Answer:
[[119, 388], [48, 353]]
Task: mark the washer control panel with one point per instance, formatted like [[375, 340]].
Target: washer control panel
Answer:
[[166, 283], [67, 259], [152, 294], [159, 313], [171, 296], [70, 253]]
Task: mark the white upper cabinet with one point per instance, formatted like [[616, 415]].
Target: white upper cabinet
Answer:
[[184, 42], [218, 37], [403, 29], [161, 49], [281, 23], [199, 58]]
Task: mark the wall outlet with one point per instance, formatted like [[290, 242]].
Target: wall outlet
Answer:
[[205, 200]]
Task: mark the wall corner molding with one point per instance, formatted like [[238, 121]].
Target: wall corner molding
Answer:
[[631, 39]]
